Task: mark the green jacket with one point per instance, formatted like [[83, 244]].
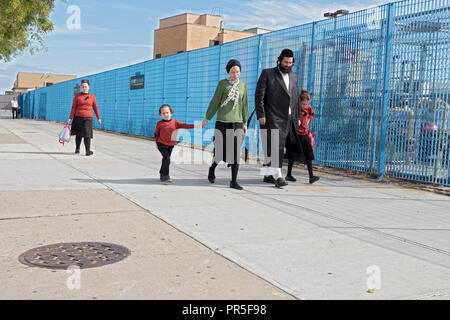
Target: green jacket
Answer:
[[226, 113]]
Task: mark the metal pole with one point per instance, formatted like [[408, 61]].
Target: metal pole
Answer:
[[385, 93], [312, 61]]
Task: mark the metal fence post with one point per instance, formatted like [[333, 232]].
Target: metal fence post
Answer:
[[312, 61], [164, 82], [187, 86], [386, 92], [258, 72]]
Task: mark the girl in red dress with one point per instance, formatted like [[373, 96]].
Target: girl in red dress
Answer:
[[307, 154]]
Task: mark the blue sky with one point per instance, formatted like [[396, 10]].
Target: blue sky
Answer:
[[119, 33]]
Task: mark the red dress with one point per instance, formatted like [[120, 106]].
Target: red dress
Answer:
[[303, 152], [307, 113]]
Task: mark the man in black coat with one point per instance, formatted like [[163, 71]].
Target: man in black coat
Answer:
[[278, 113]]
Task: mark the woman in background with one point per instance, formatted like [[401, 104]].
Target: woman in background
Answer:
[[81, 117]]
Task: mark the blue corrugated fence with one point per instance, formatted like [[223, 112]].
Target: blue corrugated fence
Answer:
[[379, 79]]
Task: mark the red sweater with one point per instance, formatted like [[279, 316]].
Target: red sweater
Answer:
[[307, 115], [166, 131], [82, 106]]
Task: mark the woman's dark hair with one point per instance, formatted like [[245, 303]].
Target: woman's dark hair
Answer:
[[232, 63], [164, 106], [85, 81], [304, 95]]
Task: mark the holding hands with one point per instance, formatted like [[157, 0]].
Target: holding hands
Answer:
[[205, 122]]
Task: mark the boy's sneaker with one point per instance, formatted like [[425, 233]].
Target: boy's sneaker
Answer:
[[165, 179], [290, 178], [313, 179], [211, 175]]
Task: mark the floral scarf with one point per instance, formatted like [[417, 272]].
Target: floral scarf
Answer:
[[233, 94]]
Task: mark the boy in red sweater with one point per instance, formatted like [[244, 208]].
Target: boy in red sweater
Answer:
[[166, 138]]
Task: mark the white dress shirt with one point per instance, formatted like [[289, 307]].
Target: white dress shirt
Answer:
[[286, 82]]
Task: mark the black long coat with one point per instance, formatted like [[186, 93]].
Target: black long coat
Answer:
[[272, 101]]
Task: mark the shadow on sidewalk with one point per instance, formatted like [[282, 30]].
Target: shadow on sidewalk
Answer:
[[44, 153], [185, 182]]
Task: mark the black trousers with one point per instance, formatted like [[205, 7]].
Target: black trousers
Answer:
[[166, 152], [14, 113]]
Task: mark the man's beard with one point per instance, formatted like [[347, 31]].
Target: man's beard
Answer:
[[285, 70]]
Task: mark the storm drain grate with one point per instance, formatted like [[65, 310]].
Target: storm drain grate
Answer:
[[82, 254]]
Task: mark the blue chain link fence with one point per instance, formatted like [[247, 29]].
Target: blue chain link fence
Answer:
[[379, 79]]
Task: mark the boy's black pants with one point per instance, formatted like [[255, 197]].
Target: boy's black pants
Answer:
[[166, 151]]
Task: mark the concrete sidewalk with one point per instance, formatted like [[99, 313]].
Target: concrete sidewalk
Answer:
[[194, 240]]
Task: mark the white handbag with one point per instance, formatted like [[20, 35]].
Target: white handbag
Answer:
[[64, 135]]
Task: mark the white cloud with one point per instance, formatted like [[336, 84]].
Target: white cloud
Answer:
[[103, 45], [63, 30], [277, 14]]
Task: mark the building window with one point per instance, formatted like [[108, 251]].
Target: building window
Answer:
[[48, 84], [213, 43], [180, 51], [158, 55]]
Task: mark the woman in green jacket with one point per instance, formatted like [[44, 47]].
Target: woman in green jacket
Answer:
[[230, 102]]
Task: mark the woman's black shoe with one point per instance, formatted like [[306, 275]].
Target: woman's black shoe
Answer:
[[211, 176], [313, 179], [235, 185], [290, 178]]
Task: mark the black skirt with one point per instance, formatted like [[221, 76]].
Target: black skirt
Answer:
[[300, 153], [82, 127], [228, 139]]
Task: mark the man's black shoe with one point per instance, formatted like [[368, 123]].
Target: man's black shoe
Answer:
[[235, 186], [290, 178], [269, 179], [77, 151], [89, 153], [313, 179], [280, 183]]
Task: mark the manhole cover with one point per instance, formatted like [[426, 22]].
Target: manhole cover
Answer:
[[82, 254]]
